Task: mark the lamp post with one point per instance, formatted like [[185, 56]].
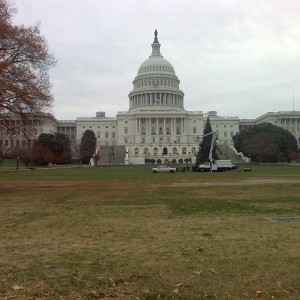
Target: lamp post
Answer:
[[17, 162]]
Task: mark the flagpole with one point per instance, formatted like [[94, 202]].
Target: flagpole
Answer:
[[293, 101]]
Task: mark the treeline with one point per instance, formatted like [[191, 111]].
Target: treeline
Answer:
[[267, 143], [56, 149]]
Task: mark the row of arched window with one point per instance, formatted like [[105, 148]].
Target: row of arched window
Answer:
[[15, 143], [165, 151]]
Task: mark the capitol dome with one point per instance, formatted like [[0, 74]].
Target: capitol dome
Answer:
[[156, 85], [156, 63]]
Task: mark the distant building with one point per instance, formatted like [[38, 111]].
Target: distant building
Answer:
[[156, 127]]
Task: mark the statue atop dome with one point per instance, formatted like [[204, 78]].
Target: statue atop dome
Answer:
[[155, 36]]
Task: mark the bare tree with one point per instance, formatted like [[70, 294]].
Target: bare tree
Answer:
[[24, 64], [42, 155], [25, 156]]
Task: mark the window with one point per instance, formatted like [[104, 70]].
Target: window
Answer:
[[126, 141], [106, 126], [98, 134], [106, 135], [155, 151], [136, 151], [143, 140], [174, 151], [113, 135], [126, 130], [183, 150], [125, 122], [194, 130], [194, 150], [146, 151]]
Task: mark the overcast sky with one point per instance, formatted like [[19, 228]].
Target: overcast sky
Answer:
[[237, 57]]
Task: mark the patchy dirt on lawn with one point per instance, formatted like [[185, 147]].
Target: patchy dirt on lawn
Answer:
[[125, 185]]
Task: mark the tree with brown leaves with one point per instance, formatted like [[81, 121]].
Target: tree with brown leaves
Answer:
[[24, 64]]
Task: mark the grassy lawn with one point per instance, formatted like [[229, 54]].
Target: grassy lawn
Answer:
[[125, 233]]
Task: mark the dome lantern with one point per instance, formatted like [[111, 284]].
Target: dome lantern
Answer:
[[155, 45]]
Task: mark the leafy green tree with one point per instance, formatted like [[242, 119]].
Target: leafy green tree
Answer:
[[52, 148], [262, 145], [205, 145], [266, 143], [63, 148], [87, 146]]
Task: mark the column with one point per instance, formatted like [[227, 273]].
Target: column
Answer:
[[139, 128], [174, 125], [147, 126]]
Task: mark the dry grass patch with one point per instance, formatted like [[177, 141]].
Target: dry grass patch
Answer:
[[155, 242]]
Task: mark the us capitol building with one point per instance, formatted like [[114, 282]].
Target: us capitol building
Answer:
[[156, 127]]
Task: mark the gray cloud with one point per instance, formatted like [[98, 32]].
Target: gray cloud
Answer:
[[237, 57]]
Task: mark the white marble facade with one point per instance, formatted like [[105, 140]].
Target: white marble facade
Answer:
[[157, 126]]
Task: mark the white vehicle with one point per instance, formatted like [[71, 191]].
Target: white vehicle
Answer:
[[217, 166], [164, 169]]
